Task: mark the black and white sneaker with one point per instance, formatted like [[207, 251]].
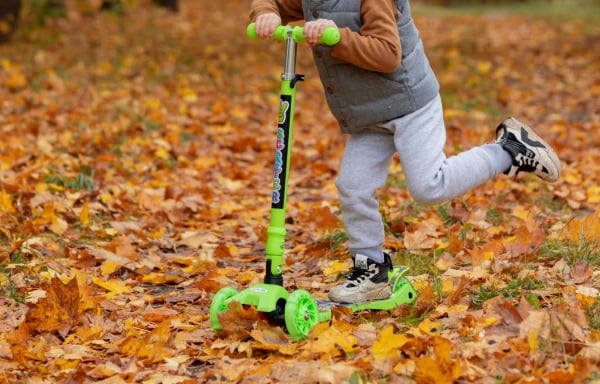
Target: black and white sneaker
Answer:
[[367, 281], [529, 152]]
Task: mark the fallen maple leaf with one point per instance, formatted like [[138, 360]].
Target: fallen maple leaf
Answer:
[[330, 343], [151, 347], [59, 310], [441, 368], [238, 320], [273, 338], [389, 344]]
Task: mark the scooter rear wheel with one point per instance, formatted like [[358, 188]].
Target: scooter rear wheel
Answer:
[[301, 314]]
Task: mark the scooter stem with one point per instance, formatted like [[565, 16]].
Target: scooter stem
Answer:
[[276, 232]]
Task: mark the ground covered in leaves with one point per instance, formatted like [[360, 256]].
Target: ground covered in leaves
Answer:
[[135, 176]]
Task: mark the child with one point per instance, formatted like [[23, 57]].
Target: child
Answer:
[[381, 89]]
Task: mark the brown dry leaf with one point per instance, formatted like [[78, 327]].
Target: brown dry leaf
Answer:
[[14, 313], [510, 314], [423, 237], [460, 291], [323, 218], [238, 320], [159, 314], [311, 372], [582, 272], [230, 370], [59, 311], [274, 339], [151, 347]]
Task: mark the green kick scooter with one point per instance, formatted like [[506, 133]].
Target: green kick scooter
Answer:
[[297, 311]]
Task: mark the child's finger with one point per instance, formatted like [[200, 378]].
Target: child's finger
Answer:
[[266, 24]]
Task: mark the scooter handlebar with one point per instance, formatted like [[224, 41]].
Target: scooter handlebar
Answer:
[[330, 35]]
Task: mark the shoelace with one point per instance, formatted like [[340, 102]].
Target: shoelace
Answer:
[[358, 275], [527, 164]]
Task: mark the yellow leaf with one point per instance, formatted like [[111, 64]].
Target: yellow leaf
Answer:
[[489, 320], [84, 215], [442, 368], [532, 339], [593, 194], [189, 95], [572, 176], [429, 327], [152, 103], [6, 204], [522, 213], [162, 278], [335, 268], [110, 231], [458, 308], [388, 343], [109, 266], [158, 234], [59, 226], [484, 67], [115, 287], [586, 228], [162, 153], [15, 81], [331, 341]]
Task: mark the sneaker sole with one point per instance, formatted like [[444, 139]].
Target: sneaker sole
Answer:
[[535, 143], [380, 293]]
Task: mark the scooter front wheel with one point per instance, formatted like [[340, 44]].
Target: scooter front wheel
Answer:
[[301, 314], [219, 304]]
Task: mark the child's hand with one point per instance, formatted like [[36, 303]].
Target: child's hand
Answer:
[[266, 24], [314, 29]]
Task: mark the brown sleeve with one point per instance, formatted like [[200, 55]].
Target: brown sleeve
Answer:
[[288, 10], [377, 47]]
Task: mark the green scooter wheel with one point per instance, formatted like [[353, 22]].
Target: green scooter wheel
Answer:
[[219, 304], [301, 314]]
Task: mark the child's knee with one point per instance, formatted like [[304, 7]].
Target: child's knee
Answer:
[[427, 195]]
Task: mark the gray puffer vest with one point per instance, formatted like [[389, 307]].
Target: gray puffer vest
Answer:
[[359, 98]]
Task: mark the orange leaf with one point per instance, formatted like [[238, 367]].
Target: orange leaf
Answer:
[[239, 320], [152, 347], [59, 310], [442, 368]]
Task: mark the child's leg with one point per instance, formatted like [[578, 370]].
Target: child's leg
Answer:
[[364, 169], [431, 176]]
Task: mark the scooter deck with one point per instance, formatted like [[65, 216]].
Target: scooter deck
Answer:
[[402, 293]]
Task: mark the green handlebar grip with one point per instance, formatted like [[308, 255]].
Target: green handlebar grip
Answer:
[[279, 34], [251, 31], [330, 36]]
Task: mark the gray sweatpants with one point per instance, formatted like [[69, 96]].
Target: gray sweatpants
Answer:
[[431, 177]]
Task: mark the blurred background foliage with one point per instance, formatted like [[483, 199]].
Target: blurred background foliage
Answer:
[[37, 12]]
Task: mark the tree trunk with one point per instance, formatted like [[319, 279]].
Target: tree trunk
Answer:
[[9, 18]]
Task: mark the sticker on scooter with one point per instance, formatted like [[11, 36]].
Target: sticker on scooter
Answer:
[[283, 109], [279, 170]]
